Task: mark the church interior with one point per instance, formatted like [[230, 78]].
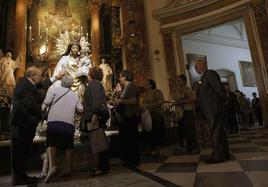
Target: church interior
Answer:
[[155, 40]]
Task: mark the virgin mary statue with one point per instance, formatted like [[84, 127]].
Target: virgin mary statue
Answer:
[[70, 63]]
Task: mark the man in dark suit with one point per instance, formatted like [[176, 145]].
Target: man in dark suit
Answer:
[[256, 106], [211, 99], [25, 116], [232, 107]]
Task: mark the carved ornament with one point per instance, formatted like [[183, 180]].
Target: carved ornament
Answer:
[[96, 4], [28, 3]]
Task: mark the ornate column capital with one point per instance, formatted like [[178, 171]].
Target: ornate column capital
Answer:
[[116, 3], [95, 4], [28, 3]]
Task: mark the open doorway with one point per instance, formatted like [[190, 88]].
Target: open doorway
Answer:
[[225, 48], [228, 77]]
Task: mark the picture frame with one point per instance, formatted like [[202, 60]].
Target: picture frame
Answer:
[[247, 73], [190, 66]]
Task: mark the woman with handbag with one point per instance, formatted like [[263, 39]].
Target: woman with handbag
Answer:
[[131, 116], [184, 98], [60, 128], [153, 100], [96, 112]]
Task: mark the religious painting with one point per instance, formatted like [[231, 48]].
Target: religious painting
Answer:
[[62, 15], [247, 74], [191, 58], [51, 20]]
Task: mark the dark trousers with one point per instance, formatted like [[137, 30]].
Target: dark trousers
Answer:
[[187, 130], [157, 136], [129, 140], [104, 164], [232, 124], [4, 116], [220, 148], [180, 134], [258, 114], [21, 143], [104, 158]]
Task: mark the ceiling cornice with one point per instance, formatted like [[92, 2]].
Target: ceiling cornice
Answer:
[[175, 8], [217, 40]]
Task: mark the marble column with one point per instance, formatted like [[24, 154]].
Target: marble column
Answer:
[[20, 34], [135, 41], [94, 9], [170, 62]]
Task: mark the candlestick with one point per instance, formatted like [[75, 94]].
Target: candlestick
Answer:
[[39, 28], [30, 34], [46, 34]]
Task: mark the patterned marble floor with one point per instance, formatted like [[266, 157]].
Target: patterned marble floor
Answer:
[[247, 168]]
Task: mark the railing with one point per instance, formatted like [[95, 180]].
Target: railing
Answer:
[[169, 109], [169, 114]]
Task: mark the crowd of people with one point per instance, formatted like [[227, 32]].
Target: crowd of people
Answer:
[[208, 111]]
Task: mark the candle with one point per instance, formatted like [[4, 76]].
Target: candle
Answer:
[[30, 34], [87, 35], [39, 28], [81, 30], [46, 34]]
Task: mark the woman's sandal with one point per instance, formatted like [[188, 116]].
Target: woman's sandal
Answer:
[[99, 172], [50, 174]]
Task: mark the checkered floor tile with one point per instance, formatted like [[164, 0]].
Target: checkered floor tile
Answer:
[[248, 167]]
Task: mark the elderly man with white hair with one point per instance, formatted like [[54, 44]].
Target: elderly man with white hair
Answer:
[[63, 104], [24, 117], [211, 99]]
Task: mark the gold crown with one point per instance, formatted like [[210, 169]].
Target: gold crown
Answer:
[[71, 37]]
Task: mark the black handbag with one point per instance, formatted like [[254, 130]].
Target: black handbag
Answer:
[[83, 125], [104, 113], [87, 126], [115, 117]]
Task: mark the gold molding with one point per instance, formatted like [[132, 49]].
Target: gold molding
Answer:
[[244, 9], [175, 9], [207, 16]]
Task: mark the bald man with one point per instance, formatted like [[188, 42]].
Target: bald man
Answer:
[[211, 99], [25, 116]]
